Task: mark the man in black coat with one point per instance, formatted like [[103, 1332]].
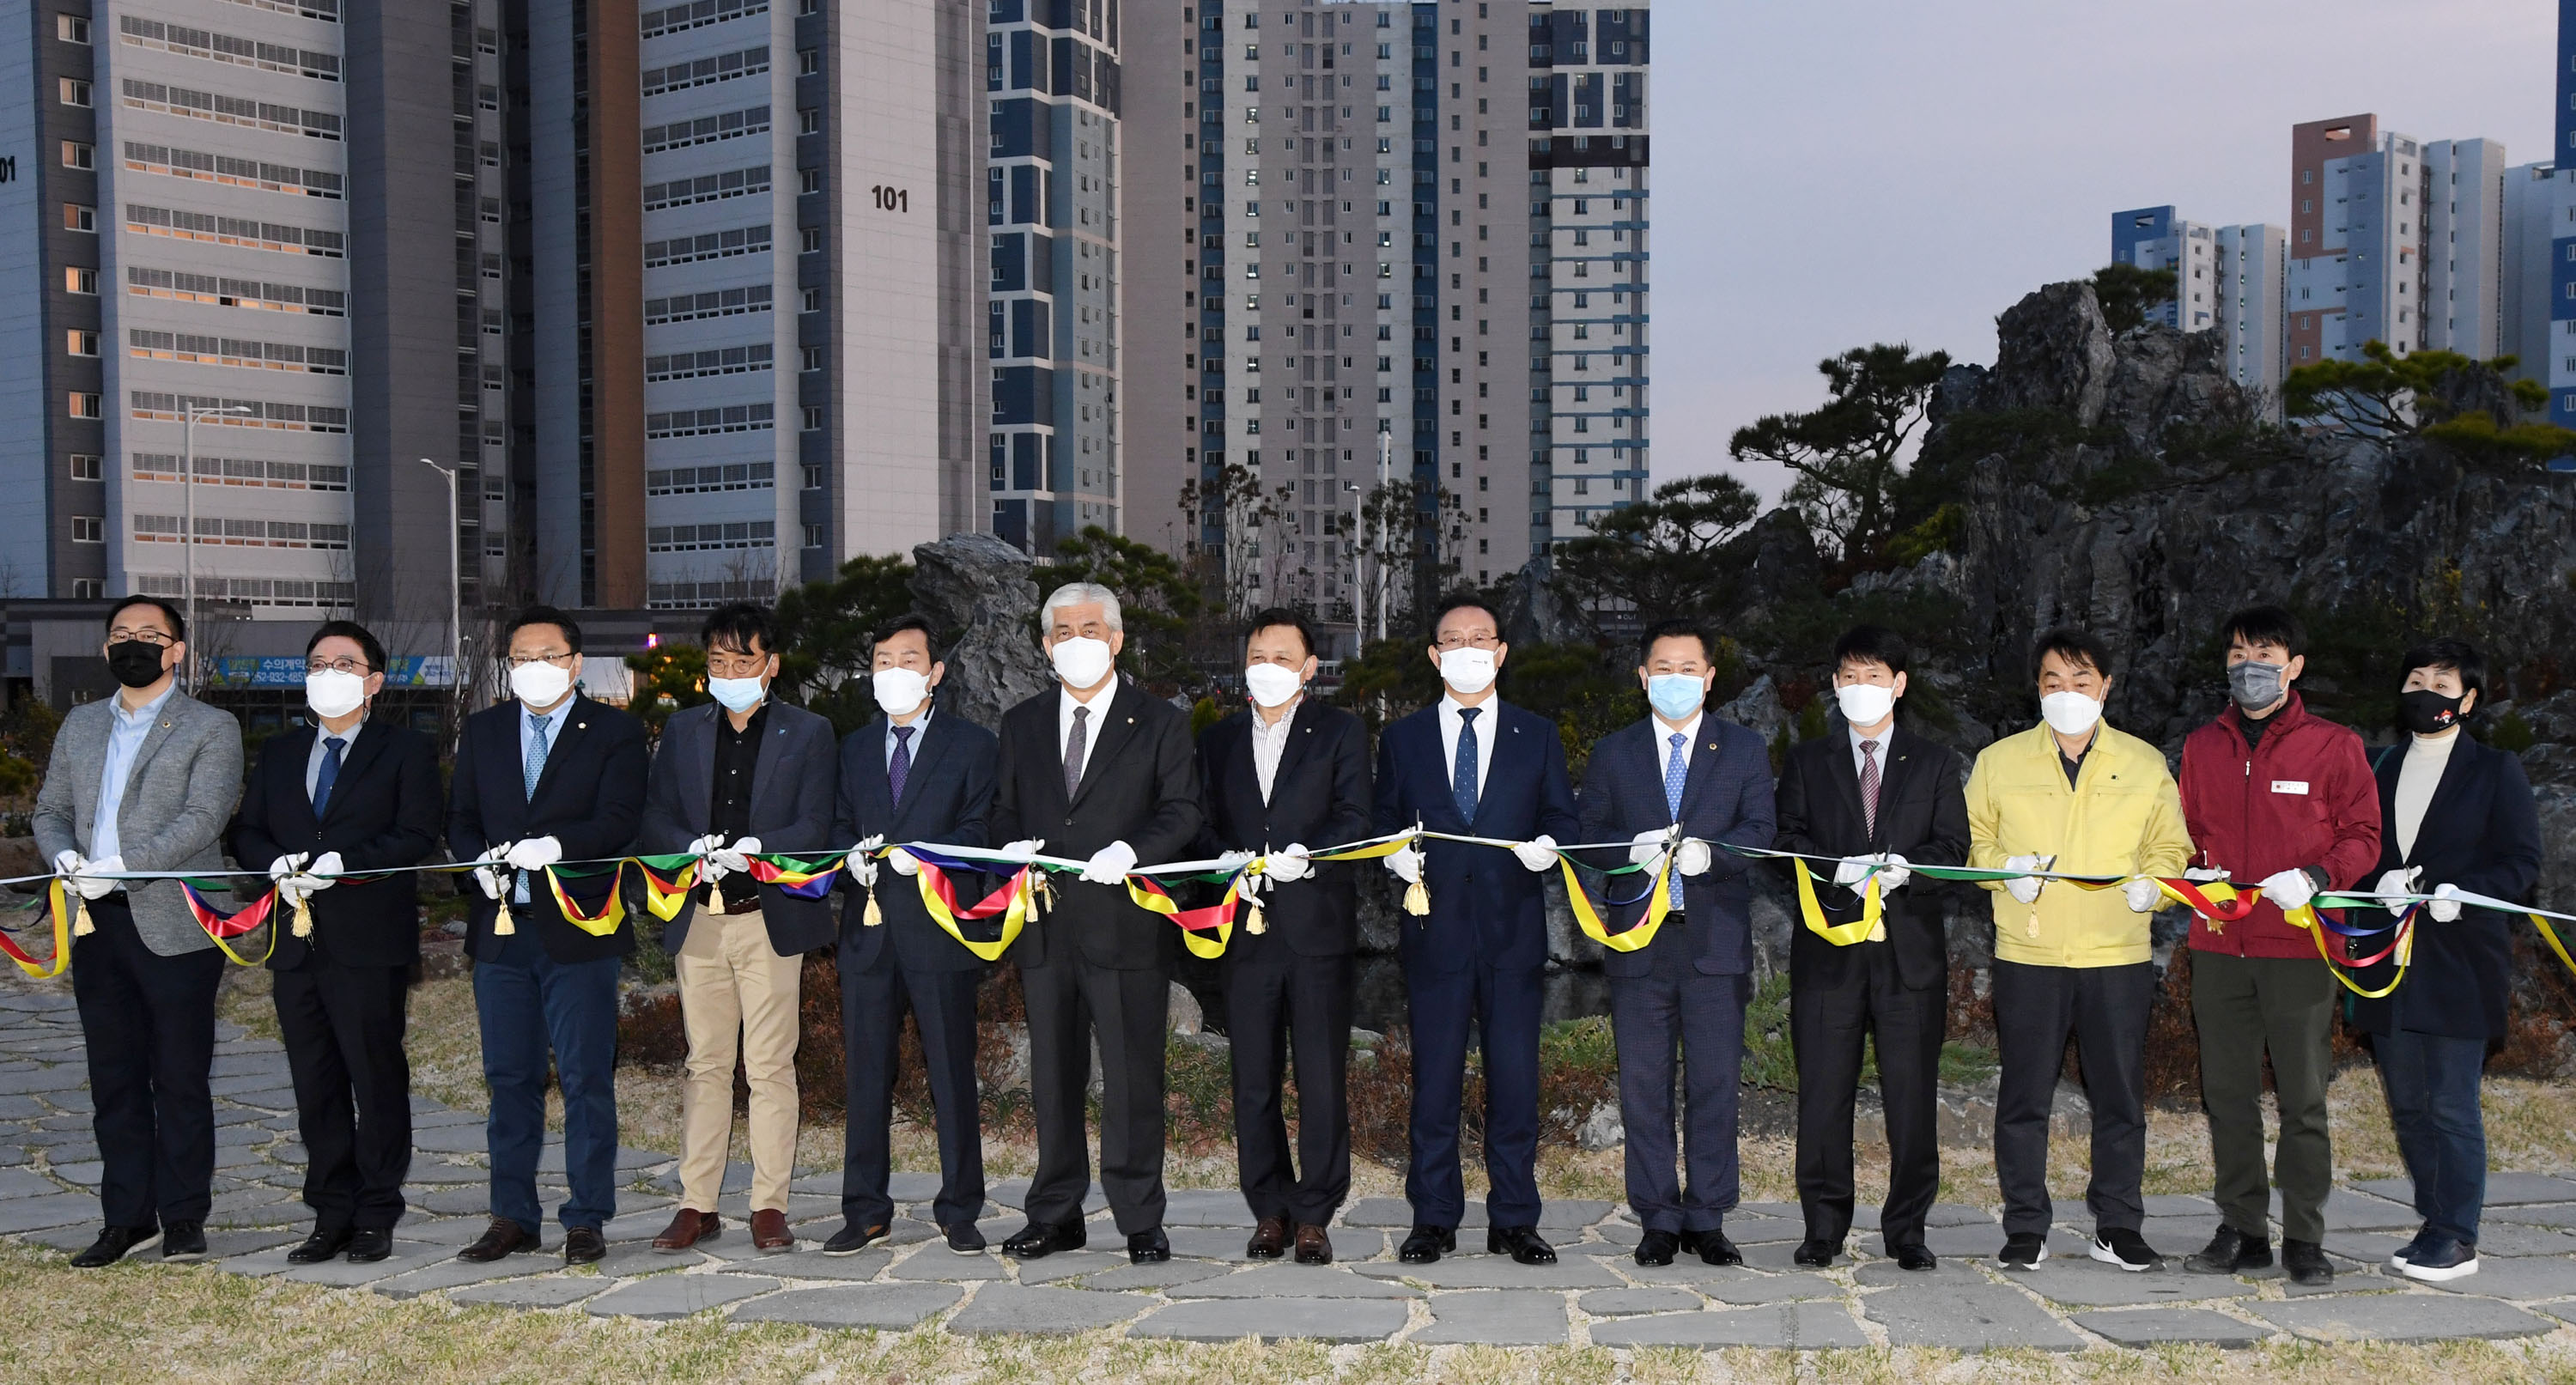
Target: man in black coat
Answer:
[[345, 796], [910, 776], [1879, 790], [1098, 770], [1287, 775], [549, 777]]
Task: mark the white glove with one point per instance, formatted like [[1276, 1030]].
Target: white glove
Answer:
[[1692, 857], [536, 853], [1024, 850], [732, 857], [1407, 865], [904, 862], [1234, 860], [2401, 881], [322, 876], [1294, 863], [2143, 896], [1648, 845], [2202, 875], [285, 866], [703, 845], [486, 869], [68, 862], [1852, 871], [94, 886], [1895, 873], [2024, 888], [2289, 889], [2445, 904], [1110, 864]]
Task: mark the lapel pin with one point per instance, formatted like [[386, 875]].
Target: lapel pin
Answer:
[[1131, 721]]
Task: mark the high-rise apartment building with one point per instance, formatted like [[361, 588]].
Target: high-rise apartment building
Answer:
[[2227, 279], [2463, 195], [2156, 238], [2538, 299]]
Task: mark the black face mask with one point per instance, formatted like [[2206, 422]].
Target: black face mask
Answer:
[[136, 663], [2428, 713]]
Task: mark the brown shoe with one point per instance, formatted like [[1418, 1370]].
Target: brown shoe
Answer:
[[769, 1233], [688, 1227], [1314, 1247], [1269, 1239], [502, 1237]]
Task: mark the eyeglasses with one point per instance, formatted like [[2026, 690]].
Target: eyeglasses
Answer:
[[343, 664], [1482, 639], [523, 660], [737, 665], [121, 634]]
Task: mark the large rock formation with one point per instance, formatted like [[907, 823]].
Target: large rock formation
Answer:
[[980, 587]]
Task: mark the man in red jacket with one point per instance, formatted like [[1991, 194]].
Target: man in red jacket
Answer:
[[2276, 796]]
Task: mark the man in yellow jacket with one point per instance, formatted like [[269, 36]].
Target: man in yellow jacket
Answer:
[[2075, 796]]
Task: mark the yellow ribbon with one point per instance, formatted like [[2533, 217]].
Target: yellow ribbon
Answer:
[[611, 913], [1839, 934], [2305, 916], [1196, 940], [1643, 931], [1022, 908]]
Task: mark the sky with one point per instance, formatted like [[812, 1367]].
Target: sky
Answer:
[[1831, 173]]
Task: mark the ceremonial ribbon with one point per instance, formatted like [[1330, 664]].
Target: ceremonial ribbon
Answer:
[[804, 879], [1839, 934], [60, 903], [667, 882], [1195, 924], [221, 926], [598, 923], [1015, 901]]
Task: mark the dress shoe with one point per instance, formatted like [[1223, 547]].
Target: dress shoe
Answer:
[[2307, 1264], [853, 1238], [1914, 1255], [1037, 1240], [369, 1244], [183, 1241], [1314, 1245], [1715, 1249], [2231, 1252], [1815, 1254], [583, 1245], [113, 1244], [688, 1227], [1426, 1244], [502, 1237], [1269, 1239], [1657, 1248], [1149, 1247], [965, 1238], [325, 1243], [769, 1233], [1521, 1243]]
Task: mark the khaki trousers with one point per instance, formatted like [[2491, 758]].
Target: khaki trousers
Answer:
[[737, 995]]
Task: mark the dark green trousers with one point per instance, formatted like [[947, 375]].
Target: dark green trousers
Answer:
[[2246, 1007]]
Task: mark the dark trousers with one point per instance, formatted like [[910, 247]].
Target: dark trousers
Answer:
[[1071, 1002], [530, 1003], [1504, 1007], [148, 1022], [343, 1027], [1827, 1027], [1676, 1007], [1299, 1005], [2105, 1009], [2245, 1007], [873, 998], [2432, 1084]]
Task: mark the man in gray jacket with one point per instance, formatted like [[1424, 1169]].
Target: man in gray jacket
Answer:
[[145, 781]]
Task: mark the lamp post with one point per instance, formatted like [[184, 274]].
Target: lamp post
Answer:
[[455, 586], [188, 411], [1385, 455]]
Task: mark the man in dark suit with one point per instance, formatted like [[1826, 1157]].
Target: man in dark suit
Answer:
[[1881, 791], [1285, 774], [1096, 769], [1473, 764], [345, 795], [910, 776], [732, 779], [552, 776], [1686, 988]]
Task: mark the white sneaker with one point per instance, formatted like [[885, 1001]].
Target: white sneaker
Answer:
[[2126, 1250], [2446, 1261]]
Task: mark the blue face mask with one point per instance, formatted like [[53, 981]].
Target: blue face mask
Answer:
[[737, 694], [1676, 695]]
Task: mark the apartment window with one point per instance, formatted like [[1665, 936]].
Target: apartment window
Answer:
[[79, 280], [812, 239], [808, 61], [79, 155], [71, 28], [85, 466], [72, 90], [79, 218], [813, 358], [85, 405], [813, 301], [813, 476], [813, 536], [89, 529], [80, 343], [813, 418], [809, 180], [809, 122]]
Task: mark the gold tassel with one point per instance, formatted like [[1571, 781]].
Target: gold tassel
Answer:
[[1417, 900], [303, 917], [1253, 922], [874, 916], [81, 926]]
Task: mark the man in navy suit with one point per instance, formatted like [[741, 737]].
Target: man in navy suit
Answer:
[[552, 776], [1687, 987], [345, 794], [910, 776], [732, 779], [1473, 764]]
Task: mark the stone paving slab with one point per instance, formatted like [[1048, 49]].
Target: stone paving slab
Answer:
[[1622, 1303], [935, 1263], [1967, 1319], [1865, 1216], [676, 1295], [1736, 1286], [1887, 1274], [1295, 1281], [1800, 1326], [2503, 1189], [2516, 1239], [2562, 1309], [1044, 1312], [1497, 1272], [1013, 1193], [2536, 1214], [1311, 1319], [2528, 1278], [1170, 1274], [2402, 1318], [452, 1273], [559, 1291], [864, 1266], [2154, 1327], [1506, 1317], [2092, 1284], [883, 1307], [47, 1209]]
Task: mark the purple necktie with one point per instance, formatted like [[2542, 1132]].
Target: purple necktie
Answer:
[[900, 767], [1869, 789]]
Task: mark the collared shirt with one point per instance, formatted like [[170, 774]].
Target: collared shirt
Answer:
[[531, 742], [919, 726], [1269, 739], [737, 759], [1664, 742], [321, 747], [126, 731], [2074, 764], [1451, 724], [1859, 761], [1091, 725]]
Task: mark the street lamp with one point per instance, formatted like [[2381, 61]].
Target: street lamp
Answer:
[[455, 585], [189, 411]]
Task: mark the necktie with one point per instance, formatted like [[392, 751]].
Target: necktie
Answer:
[[1869, 789], [532, 767], [1462, 777], [328, 774], [1073, 752], [900, 767], [1676, 774]]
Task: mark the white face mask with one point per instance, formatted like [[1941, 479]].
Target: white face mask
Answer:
[[334, 694], [738, 694], [1272, 684], [539, 684], [1467, 670], [899, 691], [1865, 704], [1081, 662], [2070, 713]]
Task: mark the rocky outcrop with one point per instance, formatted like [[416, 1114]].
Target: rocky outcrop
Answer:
[[979, 586]]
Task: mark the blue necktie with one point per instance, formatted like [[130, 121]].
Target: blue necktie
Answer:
[[532, 767], [1462, 778], [899, 768], [1676, 774], [328, 774]]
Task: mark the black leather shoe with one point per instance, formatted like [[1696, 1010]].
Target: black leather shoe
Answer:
[[1522, 1243], [113, 1244], [853, 1238], [1715, 1249], [1656, 1248], [182, 1241], [369, 1244], [1426, 1244], [2231, 1252], [1914, 1255], [2307, 1264], [1815, 1254], [1149, 1247], [964, 1239], [502, 1237], [1038, 1240], [583, 1245], [325, 1243]]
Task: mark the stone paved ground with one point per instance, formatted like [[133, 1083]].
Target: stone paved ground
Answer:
[[1596, 1295]]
